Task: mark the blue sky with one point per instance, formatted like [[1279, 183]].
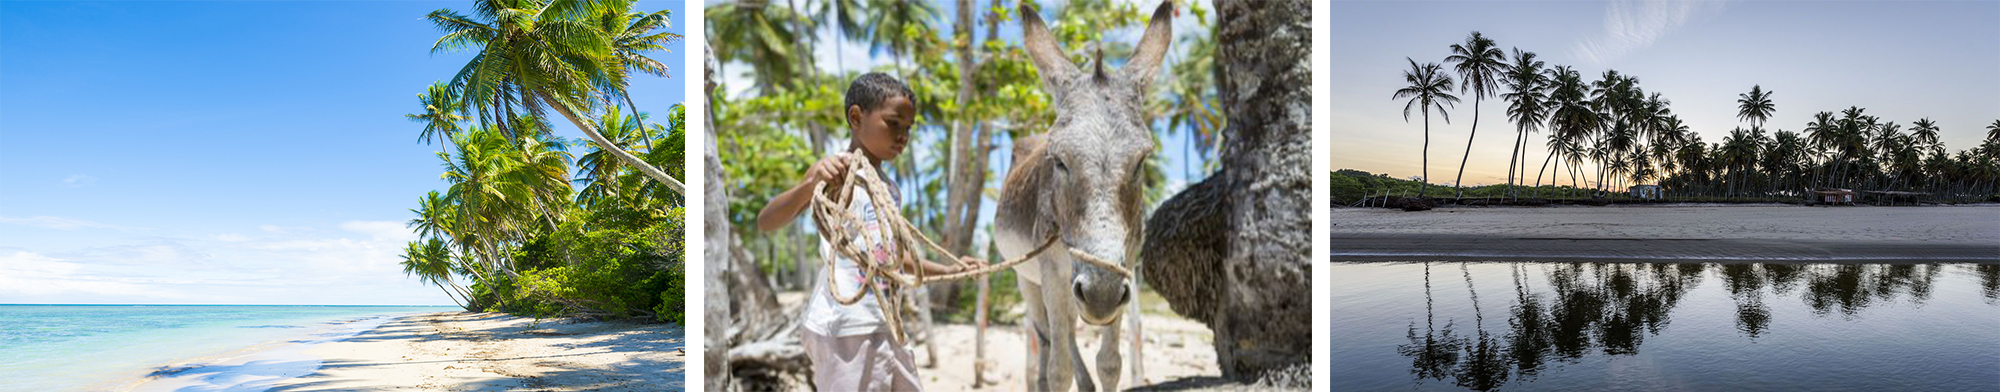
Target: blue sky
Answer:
[[224, 152], [1901, 61]]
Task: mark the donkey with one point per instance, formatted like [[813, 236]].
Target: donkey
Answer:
[[1080, 183]]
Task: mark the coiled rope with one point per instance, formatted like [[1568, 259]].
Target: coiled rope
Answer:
[[842, 230]]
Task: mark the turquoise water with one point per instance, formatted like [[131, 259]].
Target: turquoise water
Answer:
[[85, 347]]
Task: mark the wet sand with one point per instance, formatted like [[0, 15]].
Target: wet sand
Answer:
[[1735, 233], [458, 351]]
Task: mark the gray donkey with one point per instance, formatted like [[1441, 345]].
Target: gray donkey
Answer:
[[1080, 183]]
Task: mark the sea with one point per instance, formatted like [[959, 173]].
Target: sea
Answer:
[[115, 347]]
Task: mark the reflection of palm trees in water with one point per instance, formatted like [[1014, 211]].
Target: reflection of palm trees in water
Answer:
[[1612, 308], [1485, 367], [1433, 355], [1989, 281], [1746, 286]]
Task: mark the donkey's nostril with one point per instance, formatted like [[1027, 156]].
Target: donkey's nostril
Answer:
[[1124, 295], [1079, 290]]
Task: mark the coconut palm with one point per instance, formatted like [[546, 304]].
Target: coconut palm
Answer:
[[1755, 106], [535, 55], [1993, 131], [1429, 88], [430, 262], [632, 36], [1925, 133], [1478, 61], [1571, 119], [600, 172], [443, 110], [1527, 108]]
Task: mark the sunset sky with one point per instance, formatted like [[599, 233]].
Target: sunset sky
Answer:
[[1902, 61]]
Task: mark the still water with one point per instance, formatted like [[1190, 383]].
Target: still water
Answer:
[[1446, 326]]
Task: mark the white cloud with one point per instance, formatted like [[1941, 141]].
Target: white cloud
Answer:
[[1630, 25], [79, 180], [29, 274], [61, 223], [356, 264]]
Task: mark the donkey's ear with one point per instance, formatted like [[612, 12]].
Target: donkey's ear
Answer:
[[1145, 63], [1050, 59]]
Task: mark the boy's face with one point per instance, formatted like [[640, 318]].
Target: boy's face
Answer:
[[885, 130]]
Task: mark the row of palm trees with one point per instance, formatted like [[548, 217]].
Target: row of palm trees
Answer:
[[511, 179], [1612, 129]]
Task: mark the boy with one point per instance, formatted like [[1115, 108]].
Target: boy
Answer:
[[850, 347]]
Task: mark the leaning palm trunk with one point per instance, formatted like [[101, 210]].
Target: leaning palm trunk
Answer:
[[562, 106], [1459, 183]]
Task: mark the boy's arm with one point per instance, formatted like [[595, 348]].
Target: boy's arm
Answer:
[[781, 210], [786, 206]]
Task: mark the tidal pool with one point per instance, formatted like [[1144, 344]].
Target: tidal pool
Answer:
[[1664, 326]]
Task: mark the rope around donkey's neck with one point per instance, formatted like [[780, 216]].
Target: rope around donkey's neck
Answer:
[[841, 229]]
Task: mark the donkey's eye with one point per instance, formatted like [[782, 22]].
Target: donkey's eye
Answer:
[[1060, 167]]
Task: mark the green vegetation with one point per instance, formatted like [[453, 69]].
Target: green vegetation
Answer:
[[513, 221], [1631, 137], [975, 95]]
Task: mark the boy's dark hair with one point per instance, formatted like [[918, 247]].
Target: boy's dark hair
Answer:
[[869, 90]]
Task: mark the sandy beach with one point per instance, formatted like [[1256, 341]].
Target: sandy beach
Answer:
[[1179, 354], [1721, 233], [458, 351]]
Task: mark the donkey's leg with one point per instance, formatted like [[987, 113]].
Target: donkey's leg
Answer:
[[1038, 336], [1110, 362]]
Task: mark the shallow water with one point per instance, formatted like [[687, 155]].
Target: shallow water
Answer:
[[1657, 326], [89, 347]]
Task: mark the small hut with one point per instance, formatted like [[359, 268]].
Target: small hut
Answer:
[[1833, 196], [1644, 192]]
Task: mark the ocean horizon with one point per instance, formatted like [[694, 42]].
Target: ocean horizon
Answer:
[[74, 347]]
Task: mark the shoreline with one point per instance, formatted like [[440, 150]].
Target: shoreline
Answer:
[[1673, 233], [449, 351], [1474, 247], [253, 367]]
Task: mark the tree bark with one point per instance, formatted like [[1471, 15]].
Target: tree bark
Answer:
[[1255, 261], [715, 231], [563, 106]]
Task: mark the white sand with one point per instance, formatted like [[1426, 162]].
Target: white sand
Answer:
[[457, 351], [1176, 349]]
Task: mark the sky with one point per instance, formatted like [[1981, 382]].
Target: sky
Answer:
[[225, 152], [1901, 61], [1181, 162]]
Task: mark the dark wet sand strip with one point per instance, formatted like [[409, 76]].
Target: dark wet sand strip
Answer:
[[1497, 247]]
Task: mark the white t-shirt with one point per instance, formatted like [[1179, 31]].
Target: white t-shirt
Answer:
[[824, 315]]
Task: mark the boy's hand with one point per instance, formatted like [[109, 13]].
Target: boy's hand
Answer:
[[831, 170], [969, 263]]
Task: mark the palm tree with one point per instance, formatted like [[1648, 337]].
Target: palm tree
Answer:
[[1755, 106], [442, 111], [1823, 134], [1570, 121], [1528, 107], [430, 262], [1477, 61], [1428, 89], [1925, 133], [633, 36], [1993, 131], [600, 171], [536, 55]]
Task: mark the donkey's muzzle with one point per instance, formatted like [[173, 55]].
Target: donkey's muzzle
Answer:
[[1101, 294]]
